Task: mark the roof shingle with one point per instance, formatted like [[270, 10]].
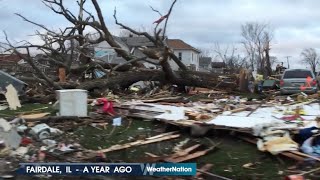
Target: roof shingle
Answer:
[[9, 58], [179, 44]]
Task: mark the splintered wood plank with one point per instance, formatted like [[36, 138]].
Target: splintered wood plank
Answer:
[[204, 168], [213, 176], [181, 153], [160, 99], [34, 116], [161, 135], [293, 156], [151, 155], [175, 155], [138, 143], [191, 156], [152, 158], [305, 155], [12, 97]]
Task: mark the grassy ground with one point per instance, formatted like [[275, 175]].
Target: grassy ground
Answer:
[[227, 160], [27, 109]]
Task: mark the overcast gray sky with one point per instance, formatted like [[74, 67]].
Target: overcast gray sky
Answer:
[[201, 23]]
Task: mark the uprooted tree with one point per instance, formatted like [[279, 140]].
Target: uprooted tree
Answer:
[[256, 40], [74, 44]]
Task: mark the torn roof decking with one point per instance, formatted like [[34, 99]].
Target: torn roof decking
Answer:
[[6, 79], [262, 115]]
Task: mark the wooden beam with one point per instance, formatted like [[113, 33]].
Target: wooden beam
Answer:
[[204, 168], [305, 155], [181, 153], [212, 175], [192, 156], [139, 143]]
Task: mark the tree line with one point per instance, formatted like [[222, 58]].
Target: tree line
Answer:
[[256, 40]]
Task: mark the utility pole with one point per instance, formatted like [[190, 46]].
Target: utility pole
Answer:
[[288, 61]]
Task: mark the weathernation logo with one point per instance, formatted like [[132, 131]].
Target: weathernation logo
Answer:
[[169, 169]]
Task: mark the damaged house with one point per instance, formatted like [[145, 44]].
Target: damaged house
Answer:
[[6, 79], [9, 63], [185, 52], [218, 67], [105, 53], [205, 64]]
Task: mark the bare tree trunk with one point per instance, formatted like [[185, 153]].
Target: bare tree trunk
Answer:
[[252, 61], [244, 80], [268, 67], [184, 78]]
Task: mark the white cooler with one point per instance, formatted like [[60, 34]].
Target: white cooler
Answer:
[[73, 102]]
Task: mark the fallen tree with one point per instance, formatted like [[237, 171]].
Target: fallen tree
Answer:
[[188, 78], [61, 47], [125, 79]]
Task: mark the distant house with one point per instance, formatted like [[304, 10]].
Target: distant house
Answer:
[[104, 52], [24, 68], [13, 64], [134, 43], [185, 52], [205, 64], [9, 62], [218, 67]]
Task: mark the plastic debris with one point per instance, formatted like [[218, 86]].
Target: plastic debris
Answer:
[[9, 135], [117, 121]]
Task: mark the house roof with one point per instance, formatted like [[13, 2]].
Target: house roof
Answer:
[[179, 44], [218, 64], [137, 41], [9, 58], [205, 61]]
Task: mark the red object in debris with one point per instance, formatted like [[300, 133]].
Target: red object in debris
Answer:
[[107, 106], [314, 82], [294, 177], [281, 82], [161, 19], [292, 118], [309, 81], [26, 141], [41, 156], [302, 87], [102, 155]]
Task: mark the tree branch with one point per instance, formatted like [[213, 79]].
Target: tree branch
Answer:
[[32, 64], [167, 19], [129, 62], [152, 39]]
